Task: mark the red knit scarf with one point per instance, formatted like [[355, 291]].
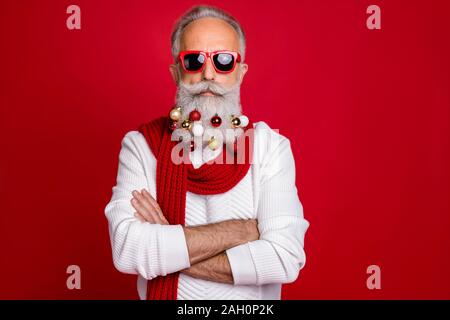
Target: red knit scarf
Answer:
[[174, 180]]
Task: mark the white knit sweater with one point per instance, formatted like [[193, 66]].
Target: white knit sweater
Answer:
[[267, 193]]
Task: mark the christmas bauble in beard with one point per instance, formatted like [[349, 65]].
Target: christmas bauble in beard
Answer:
[[192, 126]]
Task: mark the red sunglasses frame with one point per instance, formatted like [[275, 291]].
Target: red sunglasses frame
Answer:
[[236, 55]]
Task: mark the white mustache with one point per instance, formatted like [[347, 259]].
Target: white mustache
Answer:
[[207, 85]]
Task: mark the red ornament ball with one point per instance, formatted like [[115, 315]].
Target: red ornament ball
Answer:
[[192, 146], [173, 125], [216, 121], [195, 115]]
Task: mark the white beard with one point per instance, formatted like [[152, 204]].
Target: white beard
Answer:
[[225, 103]]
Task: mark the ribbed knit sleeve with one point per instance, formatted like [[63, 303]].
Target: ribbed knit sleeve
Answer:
[[138, 247], [278, 255]]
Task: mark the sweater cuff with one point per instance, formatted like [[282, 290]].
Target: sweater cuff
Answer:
[[242, 266], [176, 255]]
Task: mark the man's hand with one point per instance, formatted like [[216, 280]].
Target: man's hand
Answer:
[[147, 208], [203, 241]]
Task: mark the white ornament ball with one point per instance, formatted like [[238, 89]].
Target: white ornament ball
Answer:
[[244, 120], [197, 129]]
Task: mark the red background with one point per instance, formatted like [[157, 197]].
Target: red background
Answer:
[[367, 113]]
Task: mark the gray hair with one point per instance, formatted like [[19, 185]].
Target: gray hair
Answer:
[[204, 11]]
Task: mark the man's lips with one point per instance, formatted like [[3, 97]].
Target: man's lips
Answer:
[[207, 93]]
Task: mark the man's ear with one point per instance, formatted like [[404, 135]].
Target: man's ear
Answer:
[[173, 68], [244, 69]]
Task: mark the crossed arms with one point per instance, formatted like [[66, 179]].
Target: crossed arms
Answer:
[[206, 243], [241, 252]]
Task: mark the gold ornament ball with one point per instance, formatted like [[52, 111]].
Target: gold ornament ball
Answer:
[[175, 114], [213, 143], [236, 122], [186, 124]]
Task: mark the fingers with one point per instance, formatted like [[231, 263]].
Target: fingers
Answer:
[[148, 197], [143, 201], [147, 212], [141, 211], [139, 217], [147, 207], [155, 204]]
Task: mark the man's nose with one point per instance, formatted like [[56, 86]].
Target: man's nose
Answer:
[[209, 72]]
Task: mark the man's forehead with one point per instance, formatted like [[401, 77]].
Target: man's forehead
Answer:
[[209, 34]]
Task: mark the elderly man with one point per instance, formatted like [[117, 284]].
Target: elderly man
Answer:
[[205, 227]]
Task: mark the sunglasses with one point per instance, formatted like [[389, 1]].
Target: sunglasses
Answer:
[[194, 61]]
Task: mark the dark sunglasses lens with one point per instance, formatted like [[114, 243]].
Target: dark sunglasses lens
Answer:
[[224, 61], [193, 61]]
